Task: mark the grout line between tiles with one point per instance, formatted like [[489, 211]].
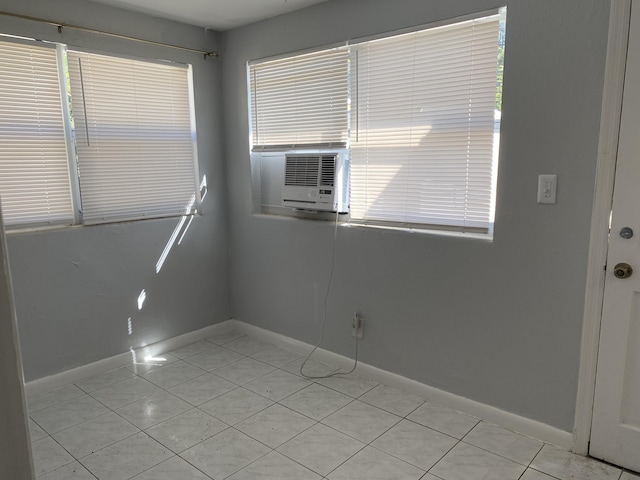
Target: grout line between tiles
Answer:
[[68, 452], [444, 455], [527, 465], [166, 390]]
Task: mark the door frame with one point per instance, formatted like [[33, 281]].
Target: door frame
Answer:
[[619, 18]]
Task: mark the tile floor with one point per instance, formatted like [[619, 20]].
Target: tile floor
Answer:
[[234, 407]]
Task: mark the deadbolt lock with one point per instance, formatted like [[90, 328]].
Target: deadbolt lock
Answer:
[[623, 270]]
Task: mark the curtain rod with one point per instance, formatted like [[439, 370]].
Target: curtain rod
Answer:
[[61, 26]]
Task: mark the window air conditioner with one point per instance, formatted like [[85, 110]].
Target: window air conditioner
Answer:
[[316, 182]]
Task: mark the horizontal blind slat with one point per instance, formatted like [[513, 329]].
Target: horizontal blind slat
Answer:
[[135, 144], [34, 174], [423, 127], [300, 99]]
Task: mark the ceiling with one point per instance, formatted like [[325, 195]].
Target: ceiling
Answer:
[[213, 14]]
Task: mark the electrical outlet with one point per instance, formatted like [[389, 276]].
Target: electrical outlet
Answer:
[[357, 326], [547, 186]]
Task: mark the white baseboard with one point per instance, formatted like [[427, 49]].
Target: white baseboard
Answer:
[[508, 420], [73, 375]]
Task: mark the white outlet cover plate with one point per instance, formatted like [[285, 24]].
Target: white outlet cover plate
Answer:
[[547, 188]]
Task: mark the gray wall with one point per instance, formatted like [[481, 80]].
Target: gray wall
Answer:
[[15, 448], [498, 322], [76, 287]]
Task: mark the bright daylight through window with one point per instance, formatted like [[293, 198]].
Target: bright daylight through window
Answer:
[[418, 112], [88, 138]]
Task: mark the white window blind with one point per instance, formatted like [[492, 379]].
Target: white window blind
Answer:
[[134, 137], [300, 101], [34, 174], [423, 127]]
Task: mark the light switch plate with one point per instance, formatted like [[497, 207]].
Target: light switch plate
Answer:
[[547, 188]]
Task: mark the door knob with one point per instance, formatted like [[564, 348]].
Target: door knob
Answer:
[[626, 233], [623, 270]]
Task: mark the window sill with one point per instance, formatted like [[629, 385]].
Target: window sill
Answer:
[[486, 237], [54, 228], [343, 221]]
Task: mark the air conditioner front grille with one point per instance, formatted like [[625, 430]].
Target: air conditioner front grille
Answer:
[[301, 171], [328, 172]]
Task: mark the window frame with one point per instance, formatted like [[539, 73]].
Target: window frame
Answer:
[[199, 187], [31, 222], [453, 230], [296, 146], [197, 206]]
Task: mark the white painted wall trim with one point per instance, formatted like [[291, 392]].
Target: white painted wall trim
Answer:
[[117, 361], [507, 420], [599, 238]]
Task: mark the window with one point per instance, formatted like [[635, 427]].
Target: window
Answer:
[[423, 123], [133, 137], [300, 102], [422, 149], [34, 173], [129, 148]]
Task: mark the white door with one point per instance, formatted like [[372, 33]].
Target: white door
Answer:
[[615, 435]]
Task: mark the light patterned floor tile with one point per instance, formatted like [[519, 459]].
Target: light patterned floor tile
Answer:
[[91, 436], [244, 371], [372, 464], [72, 471], [415, 444], [276, 356], [111, 448], [348, 384], [174, 374], [235, 406], [215, 358], [49, 398], [568, 466], [153, 409], [186, 430], [49, 456], [392, 400], [502, 442], [320, 448], [316, 401], [277, 385], [173, 469], [226, 337], [361, 421], [247, 345], [192, 349], [142, 365], [531, 474], [274, 425], [202, 389], [466, 462], [274, 466], [225, 453], [35, 432], [124, 393], [72, 412], [443, 419], [104, 380], [312, 368], [126, 458]]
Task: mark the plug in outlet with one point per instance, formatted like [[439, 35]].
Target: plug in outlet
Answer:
[[357, 326]]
